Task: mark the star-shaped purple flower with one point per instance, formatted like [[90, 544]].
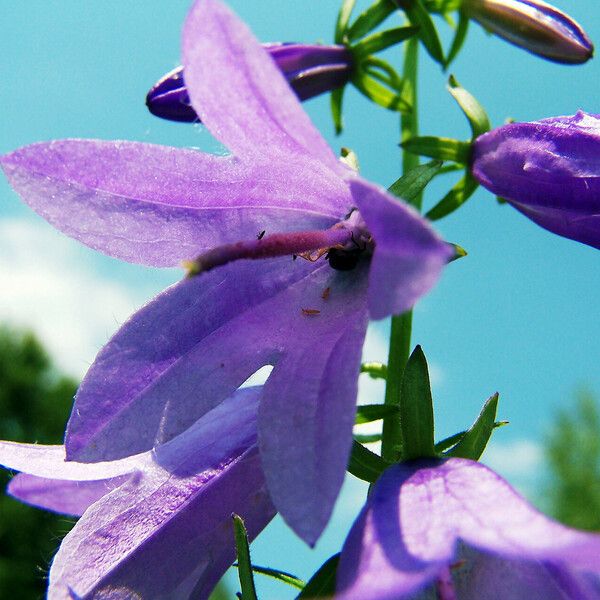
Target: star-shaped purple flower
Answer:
[[406, 538], [156, 525], [190, 348]]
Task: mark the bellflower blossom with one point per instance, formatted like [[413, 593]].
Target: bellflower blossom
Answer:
[[193, 345], [535, 26], [310, 70], [549, 170], [156, 525], [406, 538]]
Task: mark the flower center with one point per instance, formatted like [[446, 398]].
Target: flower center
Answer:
[[343, 245]]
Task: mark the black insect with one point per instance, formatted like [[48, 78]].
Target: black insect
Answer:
[[261, 234], [344, 260]]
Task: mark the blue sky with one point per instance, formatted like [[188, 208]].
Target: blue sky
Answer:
[[519, 315]]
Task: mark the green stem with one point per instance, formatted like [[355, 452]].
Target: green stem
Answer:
[[391, 441]]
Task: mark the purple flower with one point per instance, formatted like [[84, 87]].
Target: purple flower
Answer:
[[196, 343], [549, 170], [407, 538], [310, 70], [156, 525], [535, 26]]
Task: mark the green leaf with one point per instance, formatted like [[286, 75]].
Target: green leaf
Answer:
[[322, 583], [367, 413], [417, 14], [282, 576], [243, 558], [448, 442], [416, 408], [337, 97], [375, 370], [364, 464], [442, 6], [439, 147], [378, 93], [382, 40], [474, 441], [371, 18], [341, 26], [367, 438], [460, 35], [475, 113], [412, 183], [454, 199]]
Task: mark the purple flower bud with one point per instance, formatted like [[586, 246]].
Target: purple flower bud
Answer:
[[549, 170], [309, 69], [534, 25]]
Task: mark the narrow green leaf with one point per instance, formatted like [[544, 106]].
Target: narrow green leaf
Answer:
[[442, 6], [282, 576], [367, 438], [364, 464], [337, 97], [378, 93], [343, 19], [412, 183], [460, 35], [475, 113], [382, 40], [384, 72], [375, 370], [448, 442], [474, 441], [243, 558], [416, 408], [322, 583], [417, 14], [454, 199], [367, 413], [371, 18], [439, 147]]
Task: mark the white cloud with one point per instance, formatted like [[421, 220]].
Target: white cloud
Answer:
[[49, 285]]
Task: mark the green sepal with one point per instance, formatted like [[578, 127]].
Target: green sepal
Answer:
[[370, 18], [243, 558], [381, 40], [473, 443], [459, 252], [416, 408], [500, 200], [460, 35], [341, 26], [412, 183], [322, 583], [439, 147], [375, 370], [442, 6], [282, 576], [455, 198], [452, 440], [475, 113], [367, 438], [417, 14], [367, 413], [336, 100], [369, 85], [364, 464]]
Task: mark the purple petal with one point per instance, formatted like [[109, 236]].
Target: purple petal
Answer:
[[408, 257], [239, 93], [168, 532], [66, 497], [158, 205], [307, 412]]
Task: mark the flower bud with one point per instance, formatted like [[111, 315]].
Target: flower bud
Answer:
[[310, 70], [549, 170], [535, 26]]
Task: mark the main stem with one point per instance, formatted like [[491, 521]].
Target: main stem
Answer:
[[391, 441]]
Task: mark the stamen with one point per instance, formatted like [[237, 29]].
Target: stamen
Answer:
[[270, 246]]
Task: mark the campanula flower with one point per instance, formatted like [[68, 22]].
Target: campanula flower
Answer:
[[156, 525], [310, 70], [535, 26], [549, 170], [455, 530], [359, 253]]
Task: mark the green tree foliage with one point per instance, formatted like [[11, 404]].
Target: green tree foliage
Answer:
[[573, 454], [35, 401]]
